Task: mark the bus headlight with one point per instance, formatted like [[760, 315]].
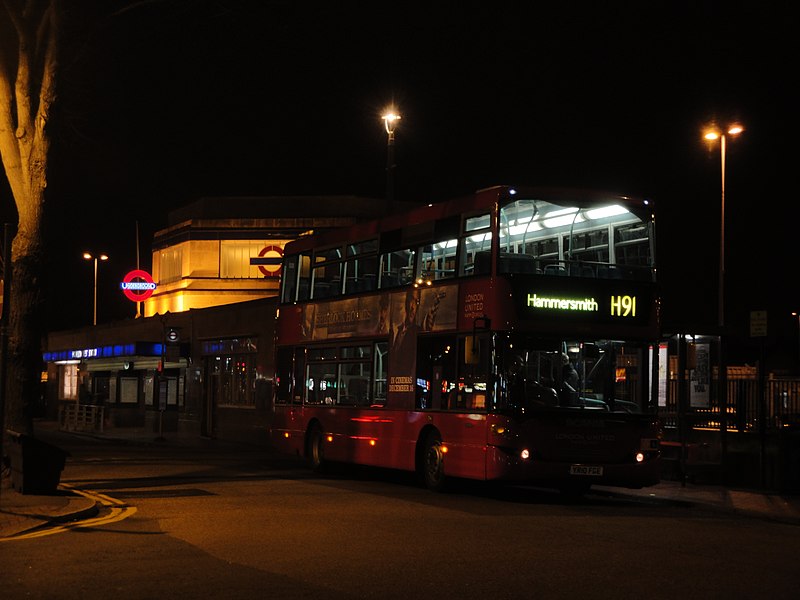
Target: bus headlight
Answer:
[[525, 454]]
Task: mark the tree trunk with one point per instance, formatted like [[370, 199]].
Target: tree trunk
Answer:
[[25, 323], [24, 361], [28, 68]]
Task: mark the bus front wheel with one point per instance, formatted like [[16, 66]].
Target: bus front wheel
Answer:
[[432, 464], [315, 450]]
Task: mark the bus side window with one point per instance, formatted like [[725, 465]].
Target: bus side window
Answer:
[[297, 378], [473, 371], [475, 239], [284, 373], [483, 262], [289, 278], [289, 371], [397, 268], [304, 277], [436, 368], [380, 373]]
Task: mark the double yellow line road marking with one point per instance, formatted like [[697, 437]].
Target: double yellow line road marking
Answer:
[[113, 511]]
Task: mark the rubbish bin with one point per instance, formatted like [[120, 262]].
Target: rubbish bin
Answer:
[[35, 465]]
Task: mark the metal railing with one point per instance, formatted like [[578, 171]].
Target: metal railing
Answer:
[[752, 405], [80, 417]]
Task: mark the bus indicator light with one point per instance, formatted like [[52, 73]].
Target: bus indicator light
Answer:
[[372, 442], [329, 438]]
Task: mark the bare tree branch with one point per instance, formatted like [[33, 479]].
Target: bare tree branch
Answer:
[[47, 93]]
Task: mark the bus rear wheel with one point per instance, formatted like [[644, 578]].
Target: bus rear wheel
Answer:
[[432, 464], [315, 450]]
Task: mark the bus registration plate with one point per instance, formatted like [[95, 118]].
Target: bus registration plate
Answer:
[[587, 470]]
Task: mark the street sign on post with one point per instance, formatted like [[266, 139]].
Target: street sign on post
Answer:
[[758, 323]]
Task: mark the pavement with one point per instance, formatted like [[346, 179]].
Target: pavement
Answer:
[[22, 513]]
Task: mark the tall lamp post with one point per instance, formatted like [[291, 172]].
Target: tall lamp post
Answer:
[[712, 134], [390, 119], [95, 258]]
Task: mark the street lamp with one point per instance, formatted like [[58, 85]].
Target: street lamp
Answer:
[[390, 119], [90, 256], [712, 134]]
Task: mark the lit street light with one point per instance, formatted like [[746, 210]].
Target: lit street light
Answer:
[[390, 119], [89, 256], [712, 134]]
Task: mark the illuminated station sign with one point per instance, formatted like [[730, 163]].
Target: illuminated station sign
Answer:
[[137, 285]]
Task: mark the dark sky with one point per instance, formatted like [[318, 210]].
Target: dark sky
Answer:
[[174, 100]]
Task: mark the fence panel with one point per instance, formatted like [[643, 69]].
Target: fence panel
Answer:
[[775, 404], [80, 417]]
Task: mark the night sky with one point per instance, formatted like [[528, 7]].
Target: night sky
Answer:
[[175, 100]]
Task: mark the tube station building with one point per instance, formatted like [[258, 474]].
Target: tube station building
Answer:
[[199, 358]]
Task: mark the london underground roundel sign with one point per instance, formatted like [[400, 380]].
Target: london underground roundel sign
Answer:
[[271, 252], [137, 285]]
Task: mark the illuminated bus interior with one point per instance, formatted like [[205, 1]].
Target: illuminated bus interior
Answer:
[[597, 375], [605, 240], [531, 374]]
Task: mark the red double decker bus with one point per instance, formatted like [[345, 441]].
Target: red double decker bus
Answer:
[[503, 336]]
